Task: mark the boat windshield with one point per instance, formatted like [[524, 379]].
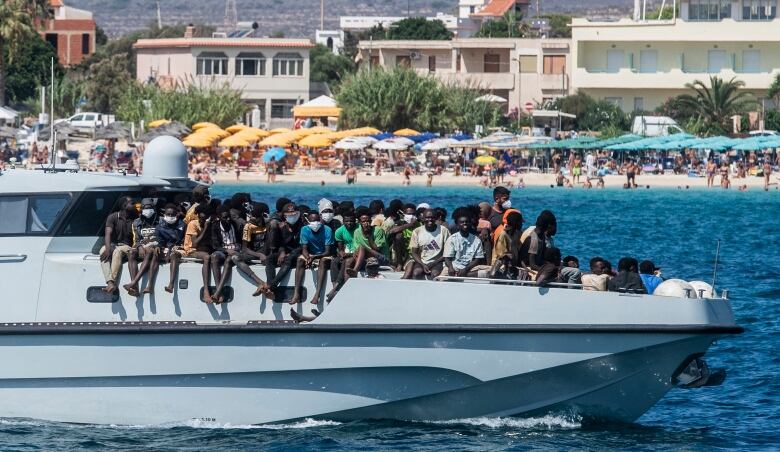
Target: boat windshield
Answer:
[[31, 214]]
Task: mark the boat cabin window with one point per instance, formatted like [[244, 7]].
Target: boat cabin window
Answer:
[[30, 214]]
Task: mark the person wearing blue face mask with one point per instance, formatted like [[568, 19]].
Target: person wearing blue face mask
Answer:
[[316, 243]]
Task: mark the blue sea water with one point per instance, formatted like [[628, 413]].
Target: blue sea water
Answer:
[[678, 229]]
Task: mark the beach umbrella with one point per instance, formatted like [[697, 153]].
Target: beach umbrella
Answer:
[[406, 132], [388, 145], [403, 140], [491, 98], [276, 153], [176, 128], [194, 141], [234, 141], [158, 122], [235, 128], [485, 160], [461, 137], [438, 145], [315, 141], [279, 130], [279, 139], [382, 136], [203, 125], [320, 129], [348, 144]]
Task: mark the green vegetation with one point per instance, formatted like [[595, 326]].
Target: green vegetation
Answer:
[[418, 28], [29, 68], [400, 97], [189, 102], [328, 67], [17, 25], [714, 105], [592, 114], [559, 25], [509, 26]]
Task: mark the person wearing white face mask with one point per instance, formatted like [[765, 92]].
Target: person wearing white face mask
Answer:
[[283, 247], [328, 214], [316, 244], [146, 247], [170, 233], [501, 203], [401, 235]]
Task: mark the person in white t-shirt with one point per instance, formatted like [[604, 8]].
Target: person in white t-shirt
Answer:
[[463, 252], [590, 164], [427, 249]]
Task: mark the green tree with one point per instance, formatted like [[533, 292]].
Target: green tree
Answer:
[[351, 40], [105, 82], [395, 98], [559, 25], [30, 69], [774, 89], [591, 114], [509, 26], [17, 24], [419, 28], [714, 105], [666, 14], [328, 67]]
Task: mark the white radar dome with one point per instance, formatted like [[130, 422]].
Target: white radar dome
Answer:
[[675, 288], [700, 286], [165, 157]]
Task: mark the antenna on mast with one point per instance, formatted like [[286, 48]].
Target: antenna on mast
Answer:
[[231, 15]]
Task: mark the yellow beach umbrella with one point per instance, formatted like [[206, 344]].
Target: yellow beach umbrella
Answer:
[[369, 131], [320, 129], [259, 133], [248, 136], [406, 132], [485, 160], [203, 125], [315, 141], [158, 123], [279, 130], [236, 128], [234, 141], [197, 142], [278, 140], [213, 132]]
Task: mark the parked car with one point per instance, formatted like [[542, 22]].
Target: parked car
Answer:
[[87, 122]]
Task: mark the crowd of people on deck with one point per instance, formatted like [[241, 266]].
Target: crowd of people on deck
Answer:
[[342, 241]]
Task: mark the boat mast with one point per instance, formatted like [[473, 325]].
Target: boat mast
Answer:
[[51, 118]]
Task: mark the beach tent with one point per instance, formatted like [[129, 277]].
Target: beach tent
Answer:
[[320, 107]]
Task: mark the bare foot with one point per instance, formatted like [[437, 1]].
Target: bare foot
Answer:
[[295, 299], [269, 293], [260, 290], [110, 287], [329, 297], [315, 301], [131, 289], [169, 288], [149, 290], [352, 272]]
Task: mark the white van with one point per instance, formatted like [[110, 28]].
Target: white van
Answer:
[[87, 122], [653, 126]]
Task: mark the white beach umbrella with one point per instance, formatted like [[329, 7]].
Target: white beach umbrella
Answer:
[[350, 145], [438, 145], [390, 145], [405, 141]]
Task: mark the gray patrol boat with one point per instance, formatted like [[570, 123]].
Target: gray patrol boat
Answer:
[[383, 348]]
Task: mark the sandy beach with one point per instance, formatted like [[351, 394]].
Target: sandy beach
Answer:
[[449, 179]]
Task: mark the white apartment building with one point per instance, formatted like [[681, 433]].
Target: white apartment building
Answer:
[[271, 73], [522, 71], [638, 64], [365, 23]]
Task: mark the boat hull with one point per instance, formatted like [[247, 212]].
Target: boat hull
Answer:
[[263, 374]]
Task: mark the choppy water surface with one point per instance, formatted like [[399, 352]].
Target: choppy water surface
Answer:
[[677, 229]]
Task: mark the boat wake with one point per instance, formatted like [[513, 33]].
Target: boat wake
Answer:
[[192, 423], [551, 422]]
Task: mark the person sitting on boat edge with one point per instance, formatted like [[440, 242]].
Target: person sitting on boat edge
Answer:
[[118, 242], [253, 246], [200, 195], [533, 243], [283, 245], [170, 233], [345, 252], [650, 276], [427, 249], [463, 252], [597, 278], [501, 203], [197, 244], [627, 279], [504, 260], [399, 235], [368, 241], [316, 241], [570, 270], [145, 247], [550, 271], [225, 240]]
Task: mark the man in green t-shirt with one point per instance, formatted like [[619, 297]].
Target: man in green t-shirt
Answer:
[[368, 241]]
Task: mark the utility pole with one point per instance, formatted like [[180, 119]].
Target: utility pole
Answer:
[[408, 9], [322, 14], [159, 17]]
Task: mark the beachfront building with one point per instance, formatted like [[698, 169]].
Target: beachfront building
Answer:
[[523, 72], [638, 64], [70, 31], [472, 13], [271, 73]]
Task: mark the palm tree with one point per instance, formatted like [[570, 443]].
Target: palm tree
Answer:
[[714, 105], [18, 19]]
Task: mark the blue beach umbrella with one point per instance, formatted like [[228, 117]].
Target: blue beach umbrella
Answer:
[[278, 153], [383, 136]]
